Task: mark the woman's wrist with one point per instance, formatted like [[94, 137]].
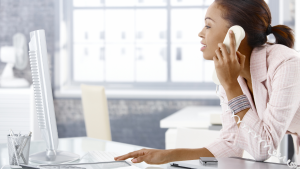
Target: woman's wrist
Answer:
[[230, 86], [233, 90], [239, 103], [171, 155], [187, 154]]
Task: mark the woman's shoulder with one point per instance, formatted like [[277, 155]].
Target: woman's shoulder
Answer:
[[277, 55], [275, 48]]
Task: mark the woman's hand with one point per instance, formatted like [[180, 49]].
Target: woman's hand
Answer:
[[150, 156], [228, 65]]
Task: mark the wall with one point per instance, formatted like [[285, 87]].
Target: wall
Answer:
[[132, 121]]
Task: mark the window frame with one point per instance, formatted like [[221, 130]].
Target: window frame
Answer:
[[65, 87], [144, 85]]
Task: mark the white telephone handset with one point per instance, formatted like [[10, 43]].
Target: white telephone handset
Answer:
[[239, 36]]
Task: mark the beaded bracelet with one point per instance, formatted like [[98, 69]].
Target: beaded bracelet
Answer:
[[239, 103]]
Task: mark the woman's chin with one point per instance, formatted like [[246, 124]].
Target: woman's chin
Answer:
[[207, 57]]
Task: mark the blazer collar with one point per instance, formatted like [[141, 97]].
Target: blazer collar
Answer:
[[246, 91], [258, 70], [258, 64]]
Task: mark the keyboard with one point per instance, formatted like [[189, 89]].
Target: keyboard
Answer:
[[99, 156], [105, 165]]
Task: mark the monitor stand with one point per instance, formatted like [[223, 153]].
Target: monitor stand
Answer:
[[53, 157]]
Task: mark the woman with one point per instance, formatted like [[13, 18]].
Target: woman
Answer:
[[261, 82]]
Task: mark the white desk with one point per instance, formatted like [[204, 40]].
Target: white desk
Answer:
[[191, 117], [196, 117], [80, 146]]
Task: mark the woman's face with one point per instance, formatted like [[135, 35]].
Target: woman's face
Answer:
[[214, 31]]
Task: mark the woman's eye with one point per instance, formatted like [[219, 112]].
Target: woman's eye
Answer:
[[207, 27]]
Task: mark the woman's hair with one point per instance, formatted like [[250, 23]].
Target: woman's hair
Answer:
[[255, 17]]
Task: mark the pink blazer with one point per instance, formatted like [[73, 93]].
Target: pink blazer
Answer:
[[275, 108]]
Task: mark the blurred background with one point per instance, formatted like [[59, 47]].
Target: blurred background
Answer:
[[146, 53]]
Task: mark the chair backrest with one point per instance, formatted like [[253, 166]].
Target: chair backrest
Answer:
[[95, 111]]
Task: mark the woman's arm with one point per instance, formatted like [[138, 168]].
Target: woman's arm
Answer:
[[221, 147], [259, 135], [224, 145], [189, 154], [155, 156], [228, 67], [232, 91]]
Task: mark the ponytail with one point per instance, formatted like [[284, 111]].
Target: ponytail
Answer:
[[284, 35], [255, 17]]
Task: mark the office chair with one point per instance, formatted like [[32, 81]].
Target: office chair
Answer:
[[95, 111]]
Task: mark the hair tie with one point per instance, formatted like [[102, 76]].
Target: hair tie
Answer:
[[269, 30]]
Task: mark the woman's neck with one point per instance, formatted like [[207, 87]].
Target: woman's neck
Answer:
[[245, 73]]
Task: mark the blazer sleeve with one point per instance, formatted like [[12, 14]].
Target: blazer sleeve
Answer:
[[224, 145], [281, 108]]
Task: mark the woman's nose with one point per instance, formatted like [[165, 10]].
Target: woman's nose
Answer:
[[201, 34]]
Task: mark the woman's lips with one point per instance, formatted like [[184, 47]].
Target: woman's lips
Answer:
[[203, 47]]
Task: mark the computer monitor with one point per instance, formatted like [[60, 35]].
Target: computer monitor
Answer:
[[44, 103]]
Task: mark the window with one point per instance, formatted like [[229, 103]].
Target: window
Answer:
[[149, 45], [118, 42]]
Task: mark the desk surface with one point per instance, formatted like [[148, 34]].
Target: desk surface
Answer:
[[80, 146], [191, 117]]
